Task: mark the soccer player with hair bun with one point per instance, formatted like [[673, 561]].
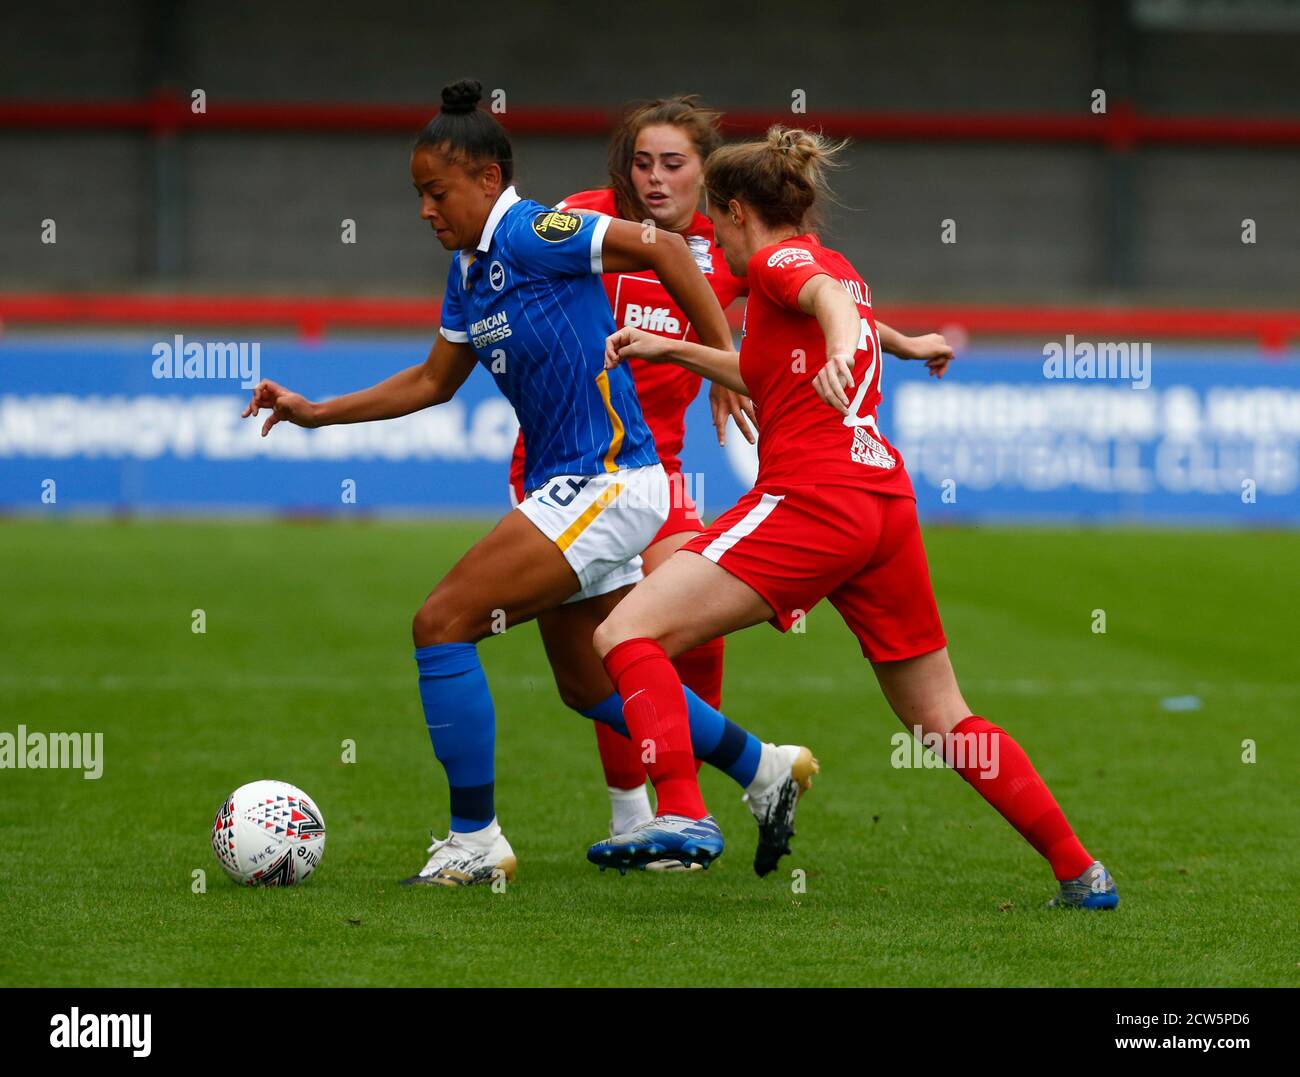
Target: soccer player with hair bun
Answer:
[[657, 156], [524, 299], [832, 514]]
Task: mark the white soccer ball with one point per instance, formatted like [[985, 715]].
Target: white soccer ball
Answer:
[[268, 833]]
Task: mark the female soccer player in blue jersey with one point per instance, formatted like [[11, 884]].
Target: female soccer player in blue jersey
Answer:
[[524, 298]]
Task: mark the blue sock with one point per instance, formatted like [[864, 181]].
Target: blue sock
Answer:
[[609, 711], [716, 739], [721, 743], [462, 726]]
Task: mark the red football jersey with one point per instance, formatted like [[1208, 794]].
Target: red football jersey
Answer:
[[804, 441], [639, 300]]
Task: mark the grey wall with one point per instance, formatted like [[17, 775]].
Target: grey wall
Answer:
[[261, 212]]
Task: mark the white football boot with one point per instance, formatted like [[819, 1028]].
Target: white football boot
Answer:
[[784, 774], [467, 860]]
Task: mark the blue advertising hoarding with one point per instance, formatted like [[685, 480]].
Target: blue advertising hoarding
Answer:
[[1201, 436]]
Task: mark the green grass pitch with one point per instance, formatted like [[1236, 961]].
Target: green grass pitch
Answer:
[[910, 878]]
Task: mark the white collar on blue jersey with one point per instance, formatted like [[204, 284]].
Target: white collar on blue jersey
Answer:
[[505, 200]]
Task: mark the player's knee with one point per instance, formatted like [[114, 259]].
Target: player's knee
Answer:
[[437, 621], [425, 626], [609, 634], [578, 696], [936, 717]]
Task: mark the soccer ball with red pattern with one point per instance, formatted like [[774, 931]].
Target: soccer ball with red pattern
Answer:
[[268, 833]]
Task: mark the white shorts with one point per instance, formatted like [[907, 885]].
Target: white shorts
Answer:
[[601, 523]]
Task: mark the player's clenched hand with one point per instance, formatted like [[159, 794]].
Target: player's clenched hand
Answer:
[[834, 380], [935, 351], [283, 404], [629, 343], [729, 404]]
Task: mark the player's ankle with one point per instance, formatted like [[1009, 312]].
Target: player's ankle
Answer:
[[479, 839], [628, 807]]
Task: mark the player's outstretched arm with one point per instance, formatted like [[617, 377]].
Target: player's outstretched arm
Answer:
[[719, 366], [434, 381], [936, 352], [629, 247]]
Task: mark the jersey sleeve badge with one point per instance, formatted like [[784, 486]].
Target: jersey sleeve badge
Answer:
[[555, 227], [788, 257], [701, 250]]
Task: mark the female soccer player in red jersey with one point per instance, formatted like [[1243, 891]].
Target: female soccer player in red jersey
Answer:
[[656, 170], [832, 515]]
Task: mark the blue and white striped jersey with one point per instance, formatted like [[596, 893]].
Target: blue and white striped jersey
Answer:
[[530, 302]]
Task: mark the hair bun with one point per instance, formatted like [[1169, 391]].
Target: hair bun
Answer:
[[782, 139], [462, 96], [793, 141]]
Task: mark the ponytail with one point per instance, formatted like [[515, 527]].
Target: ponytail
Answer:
[[783, 176]]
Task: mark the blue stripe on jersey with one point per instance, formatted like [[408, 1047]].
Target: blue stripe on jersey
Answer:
[[532, 306]]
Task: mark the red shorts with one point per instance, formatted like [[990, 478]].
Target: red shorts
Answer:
[[682, 513], [796, 545]]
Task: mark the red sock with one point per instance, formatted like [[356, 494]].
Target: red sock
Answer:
[[701, 671], [620, 758], [655, 712], [1014, 788]]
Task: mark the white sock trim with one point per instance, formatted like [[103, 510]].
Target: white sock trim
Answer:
[[479, 838], [618, 794], [769, 770]]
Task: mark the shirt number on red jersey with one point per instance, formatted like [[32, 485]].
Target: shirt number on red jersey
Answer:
[[869, 342]]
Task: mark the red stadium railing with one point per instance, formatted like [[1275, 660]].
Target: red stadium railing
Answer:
[[1121, 127], [312, 317], [308, 317]]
